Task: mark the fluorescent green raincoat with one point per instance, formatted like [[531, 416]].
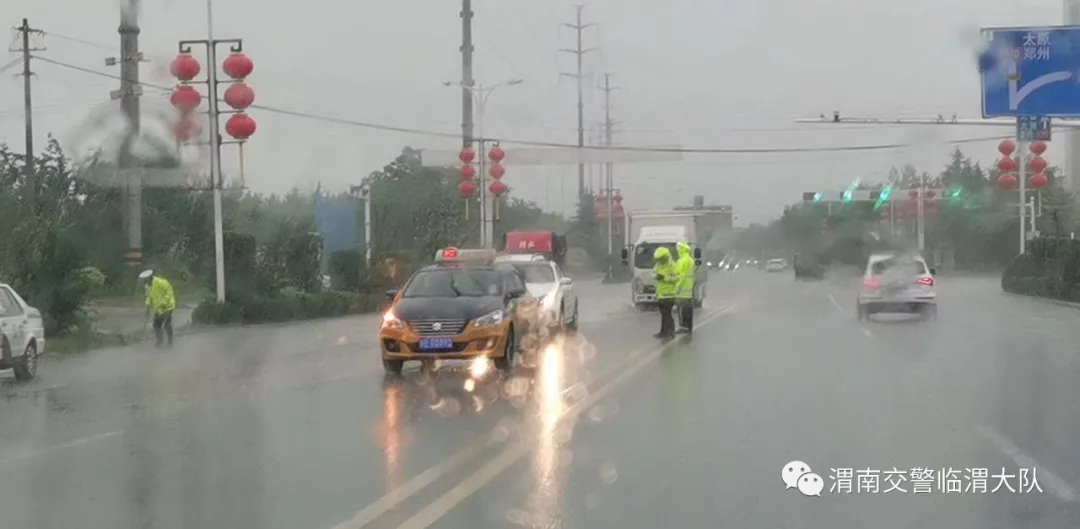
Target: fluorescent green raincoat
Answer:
[[160, 296], [667, 276], [685, 268]]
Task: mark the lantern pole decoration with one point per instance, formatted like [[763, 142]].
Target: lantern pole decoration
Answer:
[[467, 187], [239, 96], [496, 172]]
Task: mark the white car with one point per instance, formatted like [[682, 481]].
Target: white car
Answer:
[[775, 265], [22, 334], [897, 283], [546, 281]]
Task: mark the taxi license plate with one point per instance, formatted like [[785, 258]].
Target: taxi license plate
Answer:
[[435, 344]]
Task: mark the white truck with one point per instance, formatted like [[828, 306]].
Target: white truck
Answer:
[[650, 230]]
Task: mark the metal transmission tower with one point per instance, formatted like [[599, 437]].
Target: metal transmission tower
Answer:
[[28, 113], [579, 28]]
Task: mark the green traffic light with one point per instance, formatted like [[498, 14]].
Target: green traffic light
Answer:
[[817, 197], [847, 196]]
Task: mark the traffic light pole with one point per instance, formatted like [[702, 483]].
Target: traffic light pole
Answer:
[[1021, 146]]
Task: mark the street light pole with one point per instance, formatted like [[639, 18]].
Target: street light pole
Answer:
[[480, 94]]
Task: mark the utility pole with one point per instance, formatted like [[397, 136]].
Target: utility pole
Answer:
[[580, 52], [467, 80], [28, 112], [128, 94], [609, 181]]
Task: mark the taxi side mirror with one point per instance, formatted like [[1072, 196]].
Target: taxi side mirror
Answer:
[[566, 281], [697, 262], [625, 254], [516, 293], [391, 294], [697, 254], [933, 271]]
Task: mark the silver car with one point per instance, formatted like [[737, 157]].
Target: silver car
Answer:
[[896, 283]]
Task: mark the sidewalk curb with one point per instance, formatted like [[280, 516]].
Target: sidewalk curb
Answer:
[[1052, 301]]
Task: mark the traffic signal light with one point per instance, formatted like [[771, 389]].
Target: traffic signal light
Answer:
[[880, 198], [846, 197]]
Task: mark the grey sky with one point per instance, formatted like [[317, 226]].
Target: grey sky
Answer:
[[692, 72]]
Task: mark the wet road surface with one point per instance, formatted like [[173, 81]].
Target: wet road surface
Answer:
[[294, 426]]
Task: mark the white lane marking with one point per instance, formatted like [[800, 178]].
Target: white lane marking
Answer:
[[1055, 485], [395, 497], [57, 448], [836, 303], [473, 483], [840, 308]]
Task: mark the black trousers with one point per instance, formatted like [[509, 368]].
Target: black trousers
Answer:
[[163, 327], [686, 313], [667, 322]]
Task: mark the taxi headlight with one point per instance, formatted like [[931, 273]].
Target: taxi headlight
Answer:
[[391, 321], [490, 319]]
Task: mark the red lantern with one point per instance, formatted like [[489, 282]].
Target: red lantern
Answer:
[[618, 212], [496, 170], [186, 98], [466, 155], [1038, 181], [496, 154], [466, 188], [1037, 164], [185, 67], [601, 214], [1006, 164], [1006, 181], [239, 96], [497, 188], [468, 172], [186, 129], [1038, 147], [913, 194], [237, 65], [240, 126], [1006, 147], [618, 200], [930, 194]]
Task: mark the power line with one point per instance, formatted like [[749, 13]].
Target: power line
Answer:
[[537, 143], [78, 41]]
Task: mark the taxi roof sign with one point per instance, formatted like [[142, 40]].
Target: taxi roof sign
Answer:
[[472, 256]]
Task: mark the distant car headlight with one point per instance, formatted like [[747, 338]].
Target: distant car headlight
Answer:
[[708, 265], [490, 319]]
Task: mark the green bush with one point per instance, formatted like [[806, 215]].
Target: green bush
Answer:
[[1050, 268], [285, 305], [345, 268], [302, 261]]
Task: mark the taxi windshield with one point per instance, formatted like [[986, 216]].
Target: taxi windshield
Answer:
[[454, 282], [536, 272]]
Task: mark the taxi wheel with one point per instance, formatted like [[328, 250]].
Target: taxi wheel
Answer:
[[393, 367], [505, 363]]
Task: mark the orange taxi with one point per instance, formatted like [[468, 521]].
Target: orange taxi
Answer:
[[462, 307]]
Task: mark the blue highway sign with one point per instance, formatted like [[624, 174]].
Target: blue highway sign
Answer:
[[1031, 128], [1031, 72]]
